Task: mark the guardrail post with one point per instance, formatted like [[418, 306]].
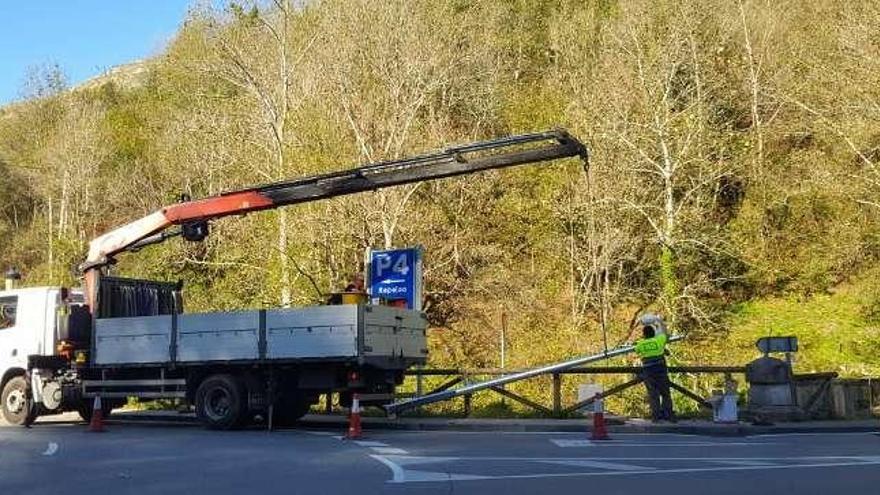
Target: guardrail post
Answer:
[[419, 390], [557, 395], [328, 403], [466, 378]]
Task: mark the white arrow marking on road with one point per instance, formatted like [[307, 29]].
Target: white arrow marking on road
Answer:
[[412, 460], [402, 475], [51, 449], [416, 475], [389, 451], [366, 443]]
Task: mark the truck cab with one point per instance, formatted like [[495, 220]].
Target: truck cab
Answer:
[[30, 321]]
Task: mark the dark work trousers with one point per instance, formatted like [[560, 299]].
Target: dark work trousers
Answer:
[[657, 382]]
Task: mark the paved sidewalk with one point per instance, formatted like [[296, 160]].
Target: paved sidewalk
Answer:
[[616, 425]]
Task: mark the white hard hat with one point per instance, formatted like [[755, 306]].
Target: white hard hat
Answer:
[[654, 321]]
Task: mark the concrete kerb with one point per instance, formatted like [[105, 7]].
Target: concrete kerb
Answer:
[[537, 425]]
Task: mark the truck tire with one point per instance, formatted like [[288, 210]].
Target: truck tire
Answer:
[[221, 402], [87, 406], [18, 407]]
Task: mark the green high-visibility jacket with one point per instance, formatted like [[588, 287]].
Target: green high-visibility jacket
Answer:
[[653, 347]]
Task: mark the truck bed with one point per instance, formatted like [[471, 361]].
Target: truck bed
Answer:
[[380, 335]]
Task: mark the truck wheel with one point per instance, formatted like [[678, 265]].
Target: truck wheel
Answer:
[[87, 406], [18, 408], [220, 402]]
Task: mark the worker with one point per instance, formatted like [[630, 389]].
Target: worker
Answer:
[[7, 316], [356, 286], [651, 348]]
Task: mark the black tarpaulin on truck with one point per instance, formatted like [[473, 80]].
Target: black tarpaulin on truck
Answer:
[[120, 297]]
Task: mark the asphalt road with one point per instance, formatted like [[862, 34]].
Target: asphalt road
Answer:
[[63, 458]]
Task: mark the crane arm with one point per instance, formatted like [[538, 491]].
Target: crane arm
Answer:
[[453, 161]]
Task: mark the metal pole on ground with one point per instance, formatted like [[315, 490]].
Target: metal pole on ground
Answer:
[[496, 382]]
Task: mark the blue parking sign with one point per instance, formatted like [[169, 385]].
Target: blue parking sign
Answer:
[[396, 274]]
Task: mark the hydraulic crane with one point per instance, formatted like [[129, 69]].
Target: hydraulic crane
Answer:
[[193, 217], [134, 339]]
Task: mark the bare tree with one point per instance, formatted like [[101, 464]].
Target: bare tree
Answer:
[[397, 85], [641, 92], [258, 52]]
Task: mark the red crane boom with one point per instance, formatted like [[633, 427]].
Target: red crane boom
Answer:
[[193, 216]]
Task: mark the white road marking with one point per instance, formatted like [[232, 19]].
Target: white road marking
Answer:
[[320, 433], [366, 443], [614, 466], [561, 442], [805, 434], [389, 451], [414, 476], [378, 447], [822, 458], [397, 473], [412, 460], [51, 449], [402, 475], [742, 462]]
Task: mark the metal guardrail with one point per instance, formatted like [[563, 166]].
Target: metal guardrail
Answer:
[[497, 384], [557, 409]]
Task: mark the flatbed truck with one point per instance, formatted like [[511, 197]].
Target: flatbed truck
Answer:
[[118, 338]]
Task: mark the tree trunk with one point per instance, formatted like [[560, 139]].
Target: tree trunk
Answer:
[[282, 253]]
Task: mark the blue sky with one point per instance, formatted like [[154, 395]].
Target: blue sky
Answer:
[[84, 37]]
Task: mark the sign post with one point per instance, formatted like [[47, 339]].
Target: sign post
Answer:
[[395, 275]]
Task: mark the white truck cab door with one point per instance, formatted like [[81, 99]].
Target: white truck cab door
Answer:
[[12, 351], [27, 325]]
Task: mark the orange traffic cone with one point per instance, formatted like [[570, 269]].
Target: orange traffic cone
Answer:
[[600, 432], [96, 424], [354, 419]]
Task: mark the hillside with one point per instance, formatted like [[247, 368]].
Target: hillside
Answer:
[[126, 77], [733, 185]]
